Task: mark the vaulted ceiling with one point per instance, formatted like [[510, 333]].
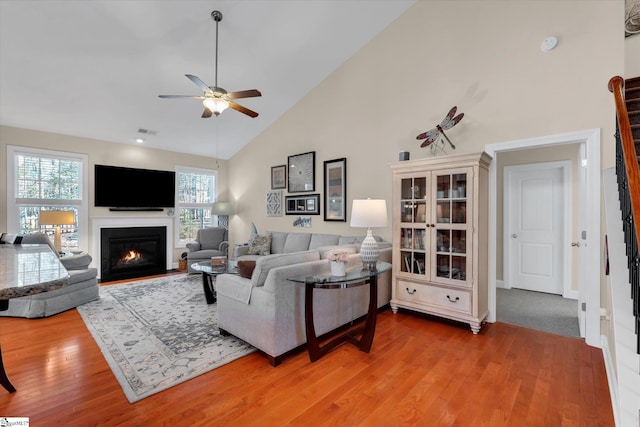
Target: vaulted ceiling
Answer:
[[94, 69]]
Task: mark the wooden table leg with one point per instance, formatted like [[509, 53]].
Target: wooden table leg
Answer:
[[367, 332], [4, 380]]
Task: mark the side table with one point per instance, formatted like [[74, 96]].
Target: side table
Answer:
[[327, 281], [209, 273]]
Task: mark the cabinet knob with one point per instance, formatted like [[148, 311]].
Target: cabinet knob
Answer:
[[411, 292], [514, 235]]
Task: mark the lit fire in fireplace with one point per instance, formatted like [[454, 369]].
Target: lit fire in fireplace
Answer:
[[132, 256]]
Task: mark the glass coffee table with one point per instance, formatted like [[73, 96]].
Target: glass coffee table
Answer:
[[209, 274]]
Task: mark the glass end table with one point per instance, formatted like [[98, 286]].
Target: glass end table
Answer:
[[354, 277], [209, 274]]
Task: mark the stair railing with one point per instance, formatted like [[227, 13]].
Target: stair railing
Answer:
[[629, 193]]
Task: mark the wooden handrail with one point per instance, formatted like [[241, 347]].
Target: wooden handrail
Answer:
[[616, 86]]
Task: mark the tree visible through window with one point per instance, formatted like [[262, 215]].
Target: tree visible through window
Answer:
[[196, 194], [47, 183]]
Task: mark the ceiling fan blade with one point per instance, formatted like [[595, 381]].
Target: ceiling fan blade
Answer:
[[202, 85], [244, 94], [181, 96], [206, 113], [242, 109]]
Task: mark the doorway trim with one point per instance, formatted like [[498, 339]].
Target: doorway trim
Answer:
[[590, 139], [567, 219]]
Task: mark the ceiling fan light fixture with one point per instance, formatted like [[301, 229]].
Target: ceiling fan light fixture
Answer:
[[216, 105]]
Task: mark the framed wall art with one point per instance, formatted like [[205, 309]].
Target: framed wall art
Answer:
[[274, 203], [335, 190], [278, 177], [302, 172], [308, 204]]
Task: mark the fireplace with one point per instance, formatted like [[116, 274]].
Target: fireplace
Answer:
[[128, 252]]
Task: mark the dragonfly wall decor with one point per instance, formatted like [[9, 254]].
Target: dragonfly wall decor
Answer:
[[432, 135]]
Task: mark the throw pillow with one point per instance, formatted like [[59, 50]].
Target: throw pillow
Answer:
[[245, 268], [261, 245]]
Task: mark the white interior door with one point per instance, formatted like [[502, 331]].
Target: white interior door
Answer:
[[535, 234]]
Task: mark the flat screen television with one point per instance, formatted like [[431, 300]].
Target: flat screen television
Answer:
[[134, 189]]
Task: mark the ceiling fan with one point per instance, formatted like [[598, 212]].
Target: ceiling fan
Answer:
[[216, 99]]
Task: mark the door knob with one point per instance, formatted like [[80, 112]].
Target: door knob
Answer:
[[514, 235]]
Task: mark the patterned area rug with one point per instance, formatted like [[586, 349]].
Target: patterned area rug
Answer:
[[157, 333]]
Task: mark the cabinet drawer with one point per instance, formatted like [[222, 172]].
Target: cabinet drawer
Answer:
[[433, 295]]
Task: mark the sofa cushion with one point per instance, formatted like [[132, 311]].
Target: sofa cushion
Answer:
[[278, 239], [245, 268], [319, 240], [266, 263], [297, 242], [261, 245]]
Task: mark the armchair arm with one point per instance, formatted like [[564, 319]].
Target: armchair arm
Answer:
[[223, 246], [239, 250], [79, 261], [193, 246]]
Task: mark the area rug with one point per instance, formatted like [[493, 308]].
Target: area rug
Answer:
[[157, 333]]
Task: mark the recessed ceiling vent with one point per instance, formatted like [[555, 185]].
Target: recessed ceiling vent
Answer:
[[147, 131]]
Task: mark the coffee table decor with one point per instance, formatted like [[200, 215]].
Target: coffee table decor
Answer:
[[158, 333]]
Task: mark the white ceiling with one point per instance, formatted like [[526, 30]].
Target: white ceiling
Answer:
[[95, 68]]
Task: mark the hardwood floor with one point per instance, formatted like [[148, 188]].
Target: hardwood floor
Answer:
[[420, 371]]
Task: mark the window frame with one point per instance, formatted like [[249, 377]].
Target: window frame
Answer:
[[191, 170], [82, 205]]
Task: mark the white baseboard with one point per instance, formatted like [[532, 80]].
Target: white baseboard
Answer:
[[501, 284], [611, 378]]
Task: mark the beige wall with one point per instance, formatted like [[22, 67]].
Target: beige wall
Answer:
[[102, 152], [632, 64], [483, 57]]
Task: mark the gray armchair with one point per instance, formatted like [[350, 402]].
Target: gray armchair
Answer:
[[82, 286], [209, 242]]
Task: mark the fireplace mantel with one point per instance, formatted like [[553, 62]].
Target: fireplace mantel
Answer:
[[98, 223]]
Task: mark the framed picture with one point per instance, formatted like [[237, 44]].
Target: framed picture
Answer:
[[308, 204], [274, 203], [302, 172], [335, 190], [278, 177]]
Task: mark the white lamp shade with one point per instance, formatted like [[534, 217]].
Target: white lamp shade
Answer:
[[223, 208], [369, 213], [56, 218]]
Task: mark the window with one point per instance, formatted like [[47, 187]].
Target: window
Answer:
[[196, 194], [47, 180]]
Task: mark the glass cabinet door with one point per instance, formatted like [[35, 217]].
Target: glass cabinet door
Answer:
[[450, 260], [414, 214]]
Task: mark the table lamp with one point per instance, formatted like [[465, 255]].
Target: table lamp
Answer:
[[223, 210], [57, 218], [369, 213]]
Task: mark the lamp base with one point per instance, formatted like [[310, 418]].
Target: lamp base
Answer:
[[223, 221], [369, 252], [57, 240]]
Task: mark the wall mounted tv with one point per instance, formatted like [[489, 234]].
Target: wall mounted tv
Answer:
[[122, 188]]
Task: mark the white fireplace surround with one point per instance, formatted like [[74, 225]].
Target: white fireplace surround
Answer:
[[98, 223]]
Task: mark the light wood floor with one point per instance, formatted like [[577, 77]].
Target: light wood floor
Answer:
[[420, 372]]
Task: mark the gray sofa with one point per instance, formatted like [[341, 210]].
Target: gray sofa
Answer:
[[82, 287], [267, 310]]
